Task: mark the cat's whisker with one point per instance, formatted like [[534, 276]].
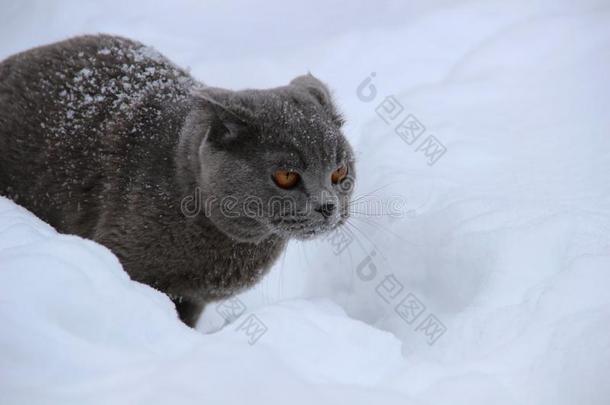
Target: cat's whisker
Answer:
[[349, 249], [379, 226], [368, 214], [373, 210], [361, 196], [356, 238], [369, 240]]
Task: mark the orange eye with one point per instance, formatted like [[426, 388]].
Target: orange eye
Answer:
[[339, 174], [286, 179]]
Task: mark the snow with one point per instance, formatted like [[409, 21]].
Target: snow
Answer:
[[76, 329], [504, 241]]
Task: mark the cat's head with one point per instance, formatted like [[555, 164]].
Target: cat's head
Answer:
[[270, 161]]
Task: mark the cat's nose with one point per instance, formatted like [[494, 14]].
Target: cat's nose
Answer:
[[326, 209]]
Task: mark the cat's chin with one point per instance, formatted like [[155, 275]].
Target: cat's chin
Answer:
[[310, 234], [307, 235], [242, 229], [248, 236]]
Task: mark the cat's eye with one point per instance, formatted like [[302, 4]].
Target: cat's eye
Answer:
[[339, 175], [286, 179]]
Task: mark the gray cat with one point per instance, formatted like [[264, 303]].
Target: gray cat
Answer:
[[105, 138]]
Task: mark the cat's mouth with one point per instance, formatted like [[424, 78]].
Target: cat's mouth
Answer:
[[304, 229]]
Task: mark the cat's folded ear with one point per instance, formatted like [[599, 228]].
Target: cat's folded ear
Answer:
[[226, 119], [318, 90]]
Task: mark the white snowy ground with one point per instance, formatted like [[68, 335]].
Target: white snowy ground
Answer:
[[505, 240]]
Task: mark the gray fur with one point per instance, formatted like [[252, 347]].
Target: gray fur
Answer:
[[103, 137]]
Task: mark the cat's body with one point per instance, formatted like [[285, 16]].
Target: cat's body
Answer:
[[101, 137]]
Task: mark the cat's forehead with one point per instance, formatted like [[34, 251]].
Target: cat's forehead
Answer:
[[285, 116]]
